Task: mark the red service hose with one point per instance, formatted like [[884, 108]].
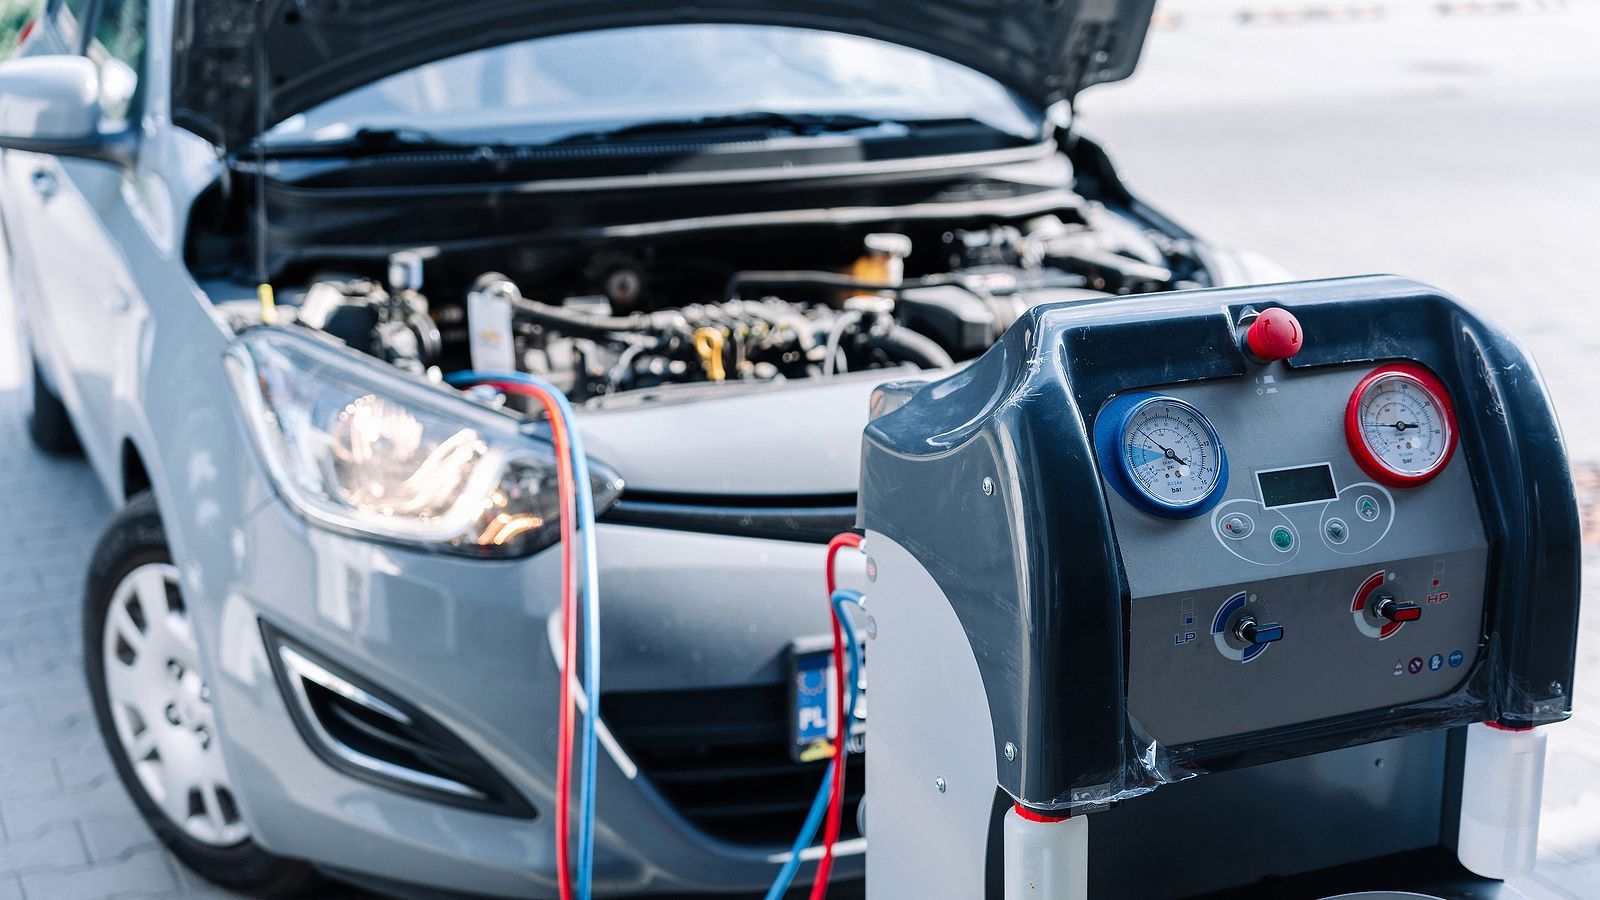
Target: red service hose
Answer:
[[819, 888], [566, 492]]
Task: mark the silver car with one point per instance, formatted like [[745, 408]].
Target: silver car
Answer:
[[251, 240]]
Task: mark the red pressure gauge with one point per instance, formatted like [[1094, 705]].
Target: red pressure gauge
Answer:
[[1400, 425]]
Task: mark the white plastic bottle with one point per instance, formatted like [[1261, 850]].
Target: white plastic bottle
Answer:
[[1501, 787], [1046, 860]]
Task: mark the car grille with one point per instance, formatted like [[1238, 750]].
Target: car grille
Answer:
[[813, 519], [721, 757]]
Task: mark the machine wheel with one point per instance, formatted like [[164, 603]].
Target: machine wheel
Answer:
[[48, 424], [153, 703]]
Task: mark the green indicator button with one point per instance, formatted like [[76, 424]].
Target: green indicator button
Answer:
[[1367, 508], [1282, 538], [1336, 531]]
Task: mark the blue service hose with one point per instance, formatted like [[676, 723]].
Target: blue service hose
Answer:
[[819, 805], [590, 592]]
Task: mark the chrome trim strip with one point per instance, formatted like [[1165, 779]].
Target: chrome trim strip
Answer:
[[603, 735], [312, 672], [304, 670], [852, 847]]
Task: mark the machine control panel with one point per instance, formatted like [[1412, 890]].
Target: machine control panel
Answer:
[[1304, 542]]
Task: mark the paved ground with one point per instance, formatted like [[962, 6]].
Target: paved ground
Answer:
[[67, 830], [1460, 149]]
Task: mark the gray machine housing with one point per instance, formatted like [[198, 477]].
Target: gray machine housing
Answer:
[[1030, 624]]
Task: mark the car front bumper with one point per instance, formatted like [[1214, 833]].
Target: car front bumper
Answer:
[[472, 644]]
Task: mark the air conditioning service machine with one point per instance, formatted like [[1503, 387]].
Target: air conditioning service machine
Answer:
[[1264, 591]]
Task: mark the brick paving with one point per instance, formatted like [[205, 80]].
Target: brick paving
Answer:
[[67, 829]]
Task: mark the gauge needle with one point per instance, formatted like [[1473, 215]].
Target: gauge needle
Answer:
[[1168, 452], [1397, 425], [1146, 436]]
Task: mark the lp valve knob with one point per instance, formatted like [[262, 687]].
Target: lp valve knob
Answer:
[[1389, 608], [1252, 632]]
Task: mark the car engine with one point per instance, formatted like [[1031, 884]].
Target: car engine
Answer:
[[624, 316]]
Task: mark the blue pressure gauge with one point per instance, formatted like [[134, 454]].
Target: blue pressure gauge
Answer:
[[1161, 454]]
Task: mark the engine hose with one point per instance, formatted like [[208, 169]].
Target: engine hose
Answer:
[[429, 340], [798, 278], [902, 343], [588, 324], [830, 359], [566, 321], [818, 279]]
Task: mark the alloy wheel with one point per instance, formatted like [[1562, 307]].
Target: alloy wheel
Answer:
[[161, 706]]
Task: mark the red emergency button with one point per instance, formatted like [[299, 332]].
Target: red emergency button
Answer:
[[1274, 335]]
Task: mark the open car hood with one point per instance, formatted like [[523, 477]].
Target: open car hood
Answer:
[[314, 50]]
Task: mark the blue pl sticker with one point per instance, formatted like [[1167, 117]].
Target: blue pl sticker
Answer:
[[812, 678], [1435, 663], [813, 728], [1456, 656]]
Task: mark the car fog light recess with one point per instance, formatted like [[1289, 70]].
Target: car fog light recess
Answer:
[[354, 447]]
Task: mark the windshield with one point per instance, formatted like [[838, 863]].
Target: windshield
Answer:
[[546, 89]]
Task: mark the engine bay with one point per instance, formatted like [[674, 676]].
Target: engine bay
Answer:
[[611, 317]]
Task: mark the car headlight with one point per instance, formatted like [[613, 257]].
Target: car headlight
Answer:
[[359, 448]]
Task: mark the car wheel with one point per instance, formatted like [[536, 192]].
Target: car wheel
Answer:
[[153, 702], [48, 424]]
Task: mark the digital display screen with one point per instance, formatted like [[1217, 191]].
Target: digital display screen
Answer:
[[1286, 487]]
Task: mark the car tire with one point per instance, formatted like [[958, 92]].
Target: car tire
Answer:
[[156, 698], [48, 424]]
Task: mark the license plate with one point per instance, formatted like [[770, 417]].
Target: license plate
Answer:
[[813, 699]]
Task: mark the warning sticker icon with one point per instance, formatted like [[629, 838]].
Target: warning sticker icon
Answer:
[[1399, 667]]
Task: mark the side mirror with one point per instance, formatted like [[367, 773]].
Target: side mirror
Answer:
[[52, 104]]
